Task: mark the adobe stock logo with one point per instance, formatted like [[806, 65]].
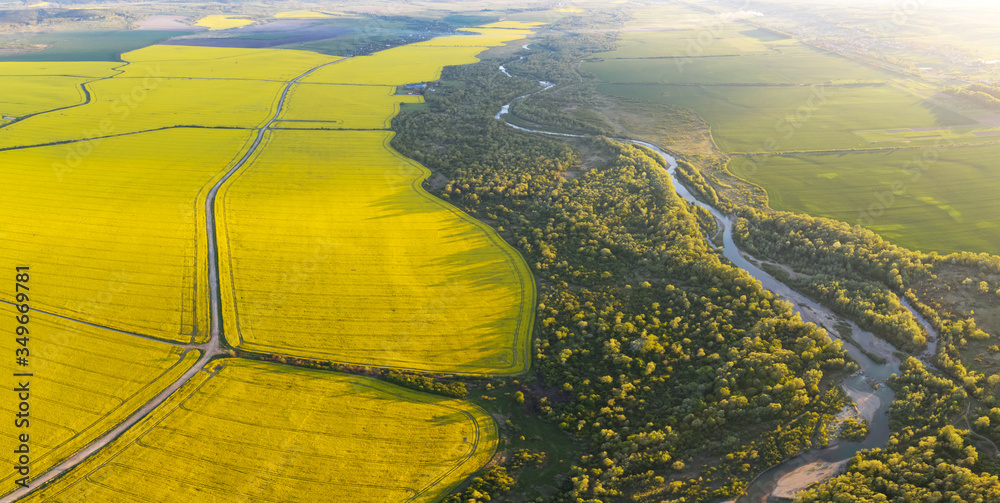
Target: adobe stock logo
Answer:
[[902, 13]]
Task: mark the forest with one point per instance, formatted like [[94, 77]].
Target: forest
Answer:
[[980, 94], [678, 374]]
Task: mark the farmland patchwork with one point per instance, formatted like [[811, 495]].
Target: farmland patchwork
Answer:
[[329, 249]]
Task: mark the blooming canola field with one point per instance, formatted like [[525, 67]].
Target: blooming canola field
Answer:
[[334, 251], [343, 106], [363, 266], [316, 436], [328, 248], [20, 96], [85, 381], [114, 227]]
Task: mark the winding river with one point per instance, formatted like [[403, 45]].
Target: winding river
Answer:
[[866, 387]]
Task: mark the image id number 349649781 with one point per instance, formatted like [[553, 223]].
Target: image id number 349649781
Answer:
[[22, 413]]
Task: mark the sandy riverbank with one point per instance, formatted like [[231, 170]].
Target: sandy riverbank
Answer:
[[802, 477]]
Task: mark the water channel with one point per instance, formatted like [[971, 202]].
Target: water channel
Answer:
[[866, 387]]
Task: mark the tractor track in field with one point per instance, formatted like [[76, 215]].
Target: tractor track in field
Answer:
[[185, 345], [209, 350], [88, 97], [117, 135]]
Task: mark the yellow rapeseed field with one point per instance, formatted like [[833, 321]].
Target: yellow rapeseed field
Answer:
[[223, 22], [418, 62], [326, 125], [397, 66], [33, 87], [220, 63], [328, 248], [331, 249], [260, 432], [86, 380], [21, 96], [162, 86], [122, 105], [115, 228], [354, 107], [476, 37]]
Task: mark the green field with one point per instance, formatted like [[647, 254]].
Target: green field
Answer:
[[763, 93], [730, 41], [669, 16], [793, 64], [792, 118], [90, 45], [86, 380], [712, 39], [945, 203], [310, 436]]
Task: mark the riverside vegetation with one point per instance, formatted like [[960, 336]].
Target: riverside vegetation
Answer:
[[650, 350], [672, 374], [647, 339]]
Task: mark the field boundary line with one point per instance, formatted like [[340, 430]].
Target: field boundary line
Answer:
[[164, 128], [207, 78], [113, 329], [88, 96], [141, 421], [99, 443], [181, 358], [876, 150], [279, 128], [209, 350], [210, 211]]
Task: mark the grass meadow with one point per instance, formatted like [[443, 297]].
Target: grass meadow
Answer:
[[736, 40]]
